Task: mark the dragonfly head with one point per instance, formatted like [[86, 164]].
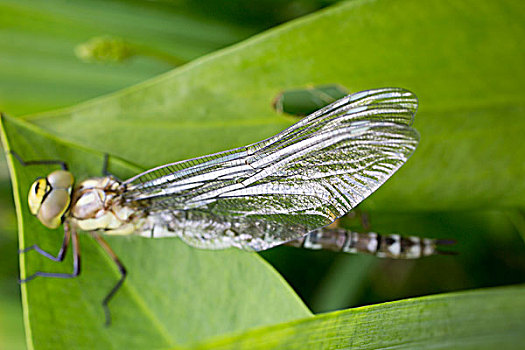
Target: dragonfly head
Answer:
[[49, 197]]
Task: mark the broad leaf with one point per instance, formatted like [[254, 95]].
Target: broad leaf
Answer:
[[484, 319]]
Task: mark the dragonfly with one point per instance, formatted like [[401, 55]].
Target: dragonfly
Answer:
[[286, 189]]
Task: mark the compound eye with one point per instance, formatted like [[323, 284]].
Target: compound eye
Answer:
[[37, 194], [53, 208], [60, 179]]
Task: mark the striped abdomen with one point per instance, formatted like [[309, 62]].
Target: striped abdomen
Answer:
[[383, 246]]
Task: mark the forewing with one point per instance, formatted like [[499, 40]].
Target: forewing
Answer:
[[306, 176]]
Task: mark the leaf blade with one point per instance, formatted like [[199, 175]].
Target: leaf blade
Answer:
[[444, 321]]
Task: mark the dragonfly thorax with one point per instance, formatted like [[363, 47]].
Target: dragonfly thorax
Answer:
[[97, 205]]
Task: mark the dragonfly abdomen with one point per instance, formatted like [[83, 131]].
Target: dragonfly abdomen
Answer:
[[383, 246]]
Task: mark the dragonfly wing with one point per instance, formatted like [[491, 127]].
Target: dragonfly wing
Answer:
[[299, 180], [322, 178]]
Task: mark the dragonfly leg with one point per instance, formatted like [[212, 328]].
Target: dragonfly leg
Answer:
[[123, 274], [61, 253], [62, 164], [76, 261], [365, 220], [105, 165], [360, 215]]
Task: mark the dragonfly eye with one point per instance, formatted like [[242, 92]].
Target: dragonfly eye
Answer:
[[49, 198], [39, 189]]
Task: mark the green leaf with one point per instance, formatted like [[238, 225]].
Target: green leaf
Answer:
[[174, 295], [470, 115], [484, 319]]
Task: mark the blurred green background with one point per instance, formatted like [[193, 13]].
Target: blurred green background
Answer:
[[43, 66]]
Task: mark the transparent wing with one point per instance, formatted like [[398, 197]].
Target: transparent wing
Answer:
[[303, 178]]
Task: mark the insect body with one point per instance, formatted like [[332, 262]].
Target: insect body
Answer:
[[283, 189]]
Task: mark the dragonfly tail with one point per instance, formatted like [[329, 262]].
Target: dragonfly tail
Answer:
[[391, 246]]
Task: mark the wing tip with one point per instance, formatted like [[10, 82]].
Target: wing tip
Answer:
[[385, 95]]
